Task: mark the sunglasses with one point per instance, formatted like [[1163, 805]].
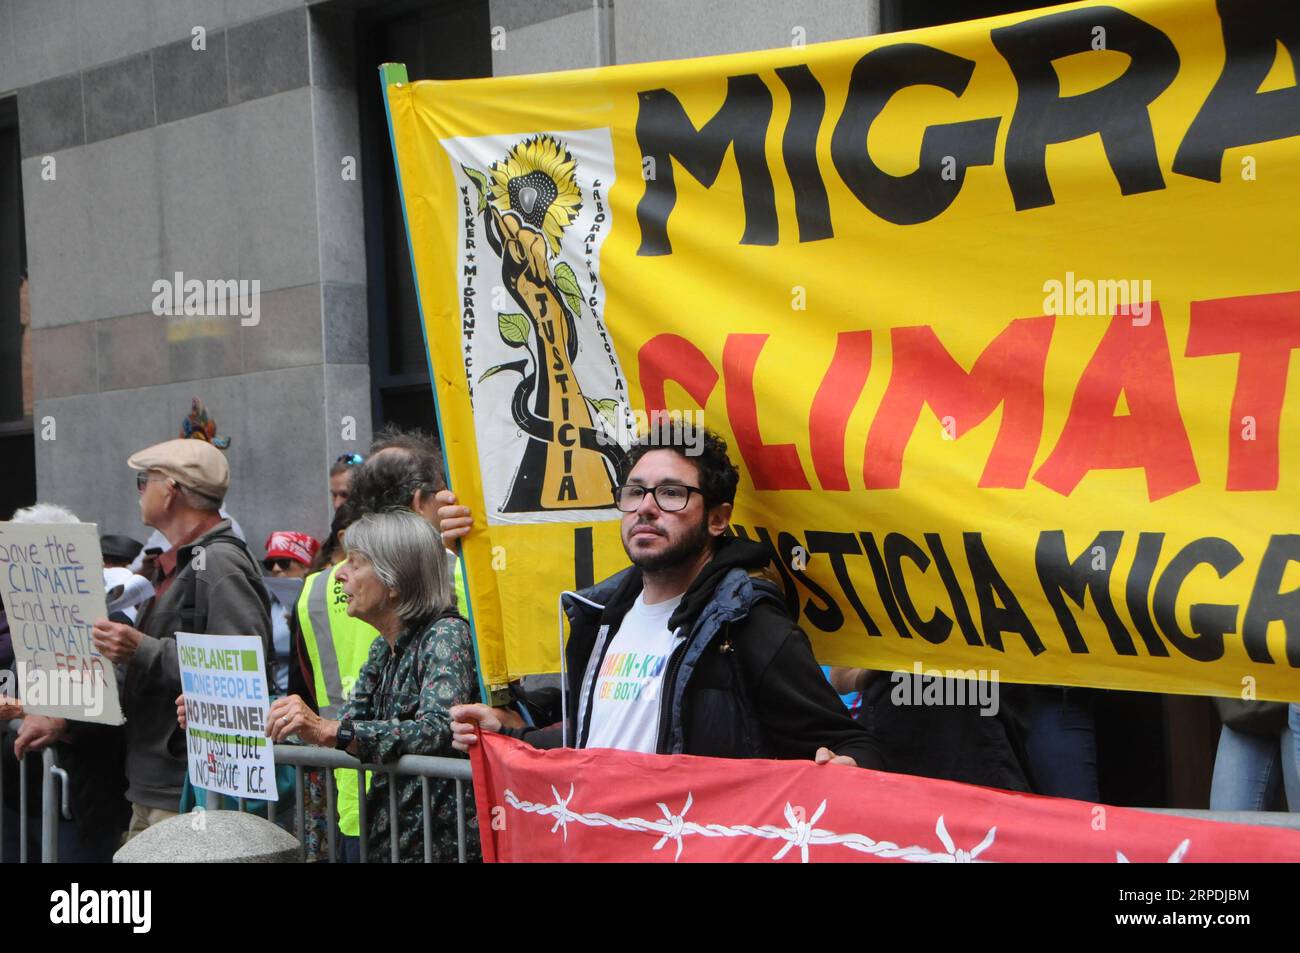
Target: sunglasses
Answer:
[[283, 563], [351, 459], [142, 479]]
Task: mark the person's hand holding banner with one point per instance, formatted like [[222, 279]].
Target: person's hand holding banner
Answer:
[[454, 521], [116, 641], [827, 756], [10, 708], [468, 720]]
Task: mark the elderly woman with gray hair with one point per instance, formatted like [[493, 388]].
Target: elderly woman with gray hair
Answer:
[[397, 579]]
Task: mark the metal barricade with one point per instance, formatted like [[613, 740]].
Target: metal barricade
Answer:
[[54, 798], [54, 795], [421, 766], [1289, 819], [54, 804]]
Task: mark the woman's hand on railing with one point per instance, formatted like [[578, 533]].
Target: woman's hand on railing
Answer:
[[291, 715]]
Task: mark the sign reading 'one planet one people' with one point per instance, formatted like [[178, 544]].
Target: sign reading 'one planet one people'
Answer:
[[52, 583], [223, 678]]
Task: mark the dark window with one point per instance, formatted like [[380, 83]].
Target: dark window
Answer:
[[898, 15], [13, 271], [17, 449], [445, 41]]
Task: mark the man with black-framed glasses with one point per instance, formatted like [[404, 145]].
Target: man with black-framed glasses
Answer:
[[690, 650]]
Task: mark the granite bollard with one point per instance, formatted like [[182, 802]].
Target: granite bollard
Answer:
[[211, 837]]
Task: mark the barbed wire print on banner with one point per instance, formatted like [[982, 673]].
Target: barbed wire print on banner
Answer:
[[673, 828]]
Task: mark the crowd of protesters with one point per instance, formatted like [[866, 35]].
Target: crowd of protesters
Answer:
[[379, 593], [369, 652]]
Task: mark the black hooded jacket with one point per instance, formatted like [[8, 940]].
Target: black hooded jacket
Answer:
[[743, 683]]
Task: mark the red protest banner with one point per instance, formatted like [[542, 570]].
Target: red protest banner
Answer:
[[602, 805]]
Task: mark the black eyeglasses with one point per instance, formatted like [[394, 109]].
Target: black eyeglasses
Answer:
[[669, 497], [351, 459], [284, 564]]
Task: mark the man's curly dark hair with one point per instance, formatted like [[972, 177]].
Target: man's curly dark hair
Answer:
[[718, 476]]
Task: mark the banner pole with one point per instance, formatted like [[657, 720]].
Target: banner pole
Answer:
[[395, 74]]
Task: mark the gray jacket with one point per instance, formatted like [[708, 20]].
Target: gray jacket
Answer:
[[225, 597]]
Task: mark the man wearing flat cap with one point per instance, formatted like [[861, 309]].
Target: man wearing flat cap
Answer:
[[119, 551], [207, 583]]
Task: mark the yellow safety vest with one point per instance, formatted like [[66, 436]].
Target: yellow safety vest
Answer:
[[338, 645]]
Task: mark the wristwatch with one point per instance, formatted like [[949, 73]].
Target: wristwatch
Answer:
[[347, 731]]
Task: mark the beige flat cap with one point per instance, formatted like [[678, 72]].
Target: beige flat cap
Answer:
[[192, 463]]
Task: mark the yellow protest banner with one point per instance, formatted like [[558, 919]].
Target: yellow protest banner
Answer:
[[998, 320]]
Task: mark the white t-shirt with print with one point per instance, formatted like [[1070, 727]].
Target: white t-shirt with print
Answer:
[[628, 688]]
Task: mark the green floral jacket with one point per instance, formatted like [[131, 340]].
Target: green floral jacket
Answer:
[[400, 705]]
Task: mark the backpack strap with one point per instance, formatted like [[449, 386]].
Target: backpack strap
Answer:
[[195, 608]]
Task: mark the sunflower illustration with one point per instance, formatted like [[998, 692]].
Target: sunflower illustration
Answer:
[[536, 181]]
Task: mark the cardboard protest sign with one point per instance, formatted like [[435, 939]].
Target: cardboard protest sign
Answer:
[[52, 583], [226, 704]]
